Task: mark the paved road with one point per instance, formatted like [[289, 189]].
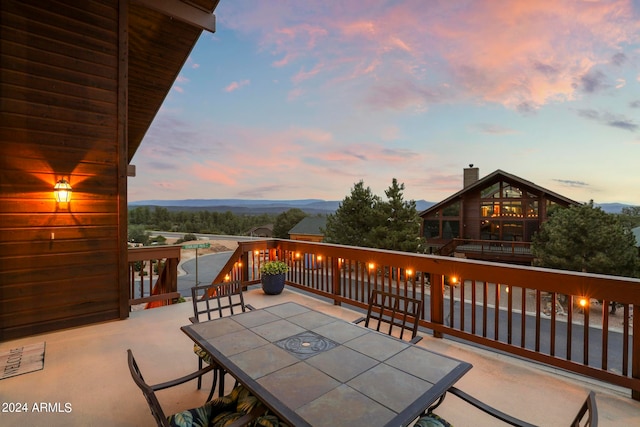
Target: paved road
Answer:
[[208, 268]]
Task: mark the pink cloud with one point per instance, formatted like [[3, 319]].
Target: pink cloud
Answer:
[[214, 172], [519, 54], [236, 85]]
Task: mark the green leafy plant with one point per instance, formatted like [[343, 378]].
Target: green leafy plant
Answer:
[[274, 267]]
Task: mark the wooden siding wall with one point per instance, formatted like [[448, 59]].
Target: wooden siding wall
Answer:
[[61, 116], [470, 226]]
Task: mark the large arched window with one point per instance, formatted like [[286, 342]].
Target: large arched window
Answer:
[[508, 212]]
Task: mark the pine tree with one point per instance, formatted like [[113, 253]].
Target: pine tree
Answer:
[[356, 216], [585, 238]]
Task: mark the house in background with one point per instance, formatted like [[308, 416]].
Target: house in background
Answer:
[[80, 84], [261, 231], [310, 229], [493, 218]]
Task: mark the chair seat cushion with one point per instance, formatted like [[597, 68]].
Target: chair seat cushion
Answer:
[[218, 412], [432, 420], [196, 417], [202, 354]]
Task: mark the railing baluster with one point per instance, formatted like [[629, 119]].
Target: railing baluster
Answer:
[[496, 321], [625, 342], [586, 336], [523, 317], [473, 307], [552, 334], [509, 291], [462, 303], [538, 300], [485, 292]]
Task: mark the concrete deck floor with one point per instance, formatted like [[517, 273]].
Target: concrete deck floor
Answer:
[[87, 368]]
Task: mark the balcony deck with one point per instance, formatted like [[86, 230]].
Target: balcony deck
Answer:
[[87, 368]]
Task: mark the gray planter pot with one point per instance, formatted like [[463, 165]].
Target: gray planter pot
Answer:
[[272, 284]]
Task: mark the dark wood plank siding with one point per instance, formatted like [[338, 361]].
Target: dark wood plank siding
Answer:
[[60, 117], [471, 215]]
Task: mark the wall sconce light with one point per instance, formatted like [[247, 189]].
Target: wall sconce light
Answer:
[[62, 191]]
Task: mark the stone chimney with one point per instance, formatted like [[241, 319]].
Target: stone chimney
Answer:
[[471, 175]]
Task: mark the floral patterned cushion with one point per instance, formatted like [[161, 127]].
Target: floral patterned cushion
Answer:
[[202, 354], [268, 420], [218, 412], [432, 420]]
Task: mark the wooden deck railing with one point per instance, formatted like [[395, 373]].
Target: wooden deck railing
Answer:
[[529, 312], [489, 249], [149, 263]]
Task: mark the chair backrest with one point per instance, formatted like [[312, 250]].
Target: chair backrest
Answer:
[[396, 311], [589, 409], [147, 391], [217, 300]]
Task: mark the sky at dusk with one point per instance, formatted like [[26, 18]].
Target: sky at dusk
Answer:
[[303, 99]]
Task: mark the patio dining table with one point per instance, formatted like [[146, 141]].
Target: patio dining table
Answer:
[[313, 369]]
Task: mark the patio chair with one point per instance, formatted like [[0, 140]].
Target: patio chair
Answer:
[[237, 409], [396, 311], [210, 302], [587, 415]]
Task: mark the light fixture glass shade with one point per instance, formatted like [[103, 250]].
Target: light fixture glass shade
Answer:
[[62, 191]]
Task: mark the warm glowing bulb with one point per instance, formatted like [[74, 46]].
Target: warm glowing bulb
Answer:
[[409, 272], [319, 257], [583, 302], [297, 254], [256, 252], [454, 280], [227, 278], [62, 191], [371, 266]]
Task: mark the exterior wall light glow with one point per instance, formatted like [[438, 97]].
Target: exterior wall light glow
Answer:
[[62, 191]]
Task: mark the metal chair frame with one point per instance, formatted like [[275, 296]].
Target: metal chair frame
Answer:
[[394, 310], [588, 408], [223, 298], [211, 302], [149, 392]]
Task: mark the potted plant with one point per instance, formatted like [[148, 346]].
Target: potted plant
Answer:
[[272, 276]]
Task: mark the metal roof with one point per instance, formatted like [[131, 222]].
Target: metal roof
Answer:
[[311, 225]]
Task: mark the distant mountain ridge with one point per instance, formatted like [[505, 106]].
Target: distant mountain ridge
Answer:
[[310, 206]]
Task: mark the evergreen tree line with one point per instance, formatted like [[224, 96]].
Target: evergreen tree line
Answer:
[[206, 222]]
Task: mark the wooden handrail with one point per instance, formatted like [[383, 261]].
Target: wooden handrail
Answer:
[[165, 289]]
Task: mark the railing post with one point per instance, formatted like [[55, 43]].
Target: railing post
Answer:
[[437, 301], [244, 271], [335, 277]]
